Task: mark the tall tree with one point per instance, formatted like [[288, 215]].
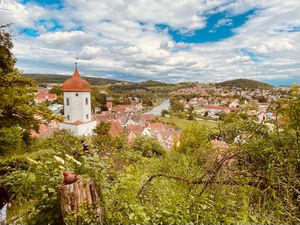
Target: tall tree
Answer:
[[17, 106]]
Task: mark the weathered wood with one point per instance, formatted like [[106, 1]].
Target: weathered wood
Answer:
[[79, 200]]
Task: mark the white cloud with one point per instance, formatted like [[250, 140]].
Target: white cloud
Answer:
[[65, 38], [119, 37]]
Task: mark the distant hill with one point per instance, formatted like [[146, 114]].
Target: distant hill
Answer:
[[145, 86], [153, 83], [54, 78], [244, 84]]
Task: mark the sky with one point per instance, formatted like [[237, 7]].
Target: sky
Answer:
[[163, 40]]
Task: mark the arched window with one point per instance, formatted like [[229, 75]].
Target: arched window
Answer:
[[86, 101], [68, 101]]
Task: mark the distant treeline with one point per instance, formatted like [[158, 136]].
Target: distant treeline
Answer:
[[140, 86], [53, 78], [244, 84]]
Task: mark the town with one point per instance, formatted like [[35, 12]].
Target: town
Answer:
[[206, 103]]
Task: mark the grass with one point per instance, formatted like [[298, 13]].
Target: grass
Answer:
[[196, 107], [183, 123]]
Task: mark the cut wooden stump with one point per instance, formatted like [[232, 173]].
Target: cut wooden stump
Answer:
[[80, 201]]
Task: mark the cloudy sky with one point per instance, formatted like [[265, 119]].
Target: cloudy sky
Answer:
[[165, 40]]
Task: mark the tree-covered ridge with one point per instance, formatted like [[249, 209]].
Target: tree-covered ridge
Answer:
[[244, 84], [59, 79]]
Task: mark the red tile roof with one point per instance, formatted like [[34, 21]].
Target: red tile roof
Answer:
[[134, 128], [220, 108], [116, 128], [44, 131], [76, 83], [43, 95]]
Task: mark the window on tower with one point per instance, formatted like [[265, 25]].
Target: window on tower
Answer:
[[87, 116], [68, 101], [68, 117], [86, 101], [76, 94]]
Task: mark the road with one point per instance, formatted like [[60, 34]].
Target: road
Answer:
[[157, 110]]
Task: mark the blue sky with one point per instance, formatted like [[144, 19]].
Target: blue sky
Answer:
[[219, 26], [45, 3], [171, 41]]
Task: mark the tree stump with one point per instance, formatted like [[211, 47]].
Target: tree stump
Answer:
[[80, 203]]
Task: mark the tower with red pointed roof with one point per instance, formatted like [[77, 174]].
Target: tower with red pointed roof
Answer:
[[77, 105]]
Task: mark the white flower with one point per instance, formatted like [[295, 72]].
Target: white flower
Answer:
[[72, 159], [31, 160], [58, 159], [61, 167], [77, 162], [68, 157]]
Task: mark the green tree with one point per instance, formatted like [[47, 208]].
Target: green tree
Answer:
[[146, 100], [176, 105], [10, 140], [236, 123], [56, 90], [17, 105], [102, 138], [164, 112], [148, 146], [98, 99], [190, 113], [195, 141]]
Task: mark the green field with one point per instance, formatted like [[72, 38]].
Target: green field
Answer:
[[183, 123]]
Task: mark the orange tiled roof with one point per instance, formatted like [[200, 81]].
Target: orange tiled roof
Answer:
[[76, 83], [116, 128]]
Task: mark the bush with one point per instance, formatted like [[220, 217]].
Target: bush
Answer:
[[195, 141], [10, 140], [148, 147]]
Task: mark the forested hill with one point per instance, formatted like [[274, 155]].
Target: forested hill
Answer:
[[244, 84], [53, 78]]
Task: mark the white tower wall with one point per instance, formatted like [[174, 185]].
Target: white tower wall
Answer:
[[77, 106]]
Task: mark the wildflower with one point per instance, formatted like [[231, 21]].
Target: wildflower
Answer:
[[31, 160], [58, 159], [72, 159]]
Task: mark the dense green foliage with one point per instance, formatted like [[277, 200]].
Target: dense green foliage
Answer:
[[147, 147], [17, 106]]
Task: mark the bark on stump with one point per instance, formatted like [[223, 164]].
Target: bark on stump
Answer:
[[80, 199]]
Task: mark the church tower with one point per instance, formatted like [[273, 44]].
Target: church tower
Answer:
[[77, 105]]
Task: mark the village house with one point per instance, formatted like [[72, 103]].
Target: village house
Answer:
[[215, 111], [234, 104], [109, 105], [56, 108], [116, 127], [45, 130], [42, 96]]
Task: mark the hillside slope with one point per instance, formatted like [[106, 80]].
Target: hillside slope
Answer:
[[53, 78], [244, 84]]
